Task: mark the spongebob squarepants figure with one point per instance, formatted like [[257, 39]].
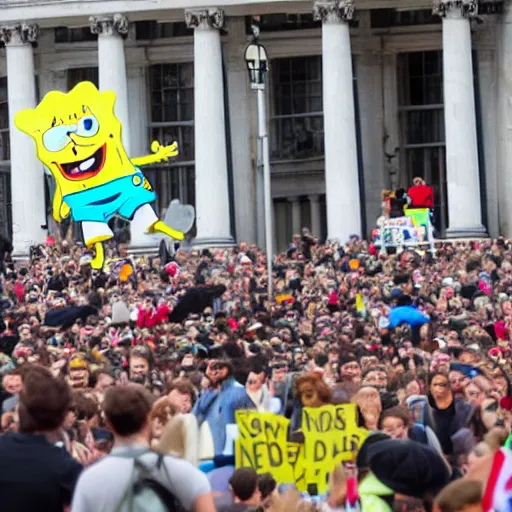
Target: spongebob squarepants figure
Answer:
[[78, 138]]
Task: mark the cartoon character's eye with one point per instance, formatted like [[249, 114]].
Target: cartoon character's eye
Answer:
[[57, 138], [88, 126]]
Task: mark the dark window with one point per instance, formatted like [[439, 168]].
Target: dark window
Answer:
[[297, 121], [287, 21], [387, 18], [172, 119], [77, 75], [74, 35], [5, 167], [422, 125], [5, 152], [149, 30], [490, 7]]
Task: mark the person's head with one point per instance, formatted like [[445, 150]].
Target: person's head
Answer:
[[127, 409], [369, 402], [474, 394], [218, 371], [376, 377], [181, 395], [395, 423], [460, 496], [482, 449], [12, 382], [44, 401], [140, 364], [255, 381], [267, 487], [78, 371], [413, 387], [312, 390], [458, 381], [350, 370], [244, 486], [103, 380], [161, 413], [418, 181], [440, 386]]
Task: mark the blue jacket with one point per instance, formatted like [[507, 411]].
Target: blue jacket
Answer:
[[218, 409], [406, 315]]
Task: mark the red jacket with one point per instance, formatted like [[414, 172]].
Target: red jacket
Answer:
[[422, 196], [151, 317]]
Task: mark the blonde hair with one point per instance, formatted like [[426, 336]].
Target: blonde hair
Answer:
[[181, 438]]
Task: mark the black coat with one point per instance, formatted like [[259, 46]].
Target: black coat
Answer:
[[195, 301], [66, 317]]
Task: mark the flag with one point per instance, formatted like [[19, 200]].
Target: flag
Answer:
[[498, 493]]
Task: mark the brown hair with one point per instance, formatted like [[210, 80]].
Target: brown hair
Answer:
[[163, 410], [184, 386], [127, 408], [84, 405], [395, 412], [317, 381], [44, 401], [458, 494]]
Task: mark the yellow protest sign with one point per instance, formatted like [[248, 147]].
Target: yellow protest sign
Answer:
[[331, 436], [296, 460], [262, 444]]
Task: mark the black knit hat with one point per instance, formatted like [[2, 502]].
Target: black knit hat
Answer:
[[408, 467], [362, 454]]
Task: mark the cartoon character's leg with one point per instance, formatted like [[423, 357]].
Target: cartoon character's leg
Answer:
[[146, 218], [95, 233]]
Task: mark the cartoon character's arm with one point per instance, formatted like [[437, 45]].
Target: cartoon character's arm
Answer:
[[60, 209], [161, 154]]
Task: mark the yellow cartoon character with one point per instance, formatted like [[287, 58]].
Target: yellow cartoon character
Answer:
[[78, 138]]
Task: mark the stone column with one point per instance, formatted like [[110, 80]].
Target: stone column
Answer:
[[504, 114], [212, 195], [244, 177], [296, 217], [112, 65], [371, 114], [488, 88], [314, 206], [27, 176], [464, 200], [341, 165]]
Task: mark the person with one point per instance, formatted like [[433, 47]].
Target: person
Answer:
[[217, 404], [107, 485], [182, 395], [460, 496], [398, 203], [257, 390], [422, 195], [245, 491], [449, 414], [34, 473]]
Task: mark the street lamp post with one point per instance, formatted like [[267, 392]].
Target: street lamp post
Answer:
[[257, 66]]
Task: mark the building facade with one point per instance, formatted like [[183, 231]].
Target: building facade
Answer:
[[362, 95]]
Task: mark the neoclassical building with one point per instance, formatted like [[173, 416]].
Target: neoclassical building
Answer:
[[362, 95]]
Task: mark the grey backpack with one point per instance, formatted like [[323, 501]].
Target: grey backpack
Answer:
[[146, 492]]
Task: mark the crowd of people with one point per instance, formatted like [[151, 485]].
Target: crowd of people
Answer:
[[120, 387]]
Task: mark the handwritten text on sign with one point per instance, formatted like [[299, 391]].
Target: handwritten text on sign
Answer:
[[331, 436]]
